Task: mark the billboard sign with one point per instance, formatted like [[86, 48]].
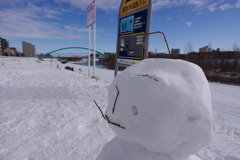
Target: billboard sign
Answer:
[[133, 24], [91, 14]]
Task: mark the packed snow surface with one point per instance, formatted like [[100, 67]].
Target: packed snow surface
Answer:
[[118, 149], [164, 105], [49, 113]]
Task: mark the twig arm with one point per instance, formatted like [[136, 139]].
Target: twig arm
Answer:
[[106, 117], [99, 109], [115, 100], [118, 125]]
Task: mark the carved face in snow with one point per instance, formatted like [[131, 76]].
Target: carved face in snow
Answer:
[[164, 105]]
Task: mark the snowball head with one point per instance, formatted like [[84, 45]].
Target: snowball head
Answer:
[[162, 104]]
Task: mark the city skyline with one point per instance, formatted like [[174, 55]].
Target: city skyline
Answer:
[[55, 24]]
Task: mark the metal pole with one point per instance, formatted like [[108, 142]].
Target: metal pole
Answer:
[[94, 41], [89, 46], [116, 67], [165, 39]]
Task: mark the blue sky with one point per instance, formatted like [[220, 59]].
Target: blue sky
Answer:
[[54, 24]]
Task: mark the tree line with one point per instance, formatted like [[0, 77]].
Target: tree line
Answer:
[[217, 66]]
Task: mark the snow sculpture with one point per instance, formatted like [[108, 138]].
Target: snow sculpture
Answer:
[[159, 109]]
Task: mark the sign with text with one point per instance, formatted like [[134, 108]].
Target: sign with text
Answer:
[[132, 5], [91, 14], [133, 24]]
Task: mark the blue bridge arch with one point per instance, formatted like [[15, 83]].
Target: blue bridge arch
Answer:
[[66, 48]]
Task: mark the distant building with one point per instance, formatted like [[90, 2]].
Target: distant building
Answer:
[[217, 50], [14, 49], [10, 52], [175, 51], [29, 50], [3, 45], [205, 49]]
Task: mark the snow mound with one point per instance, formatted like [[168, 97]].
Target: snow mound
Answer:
[[118, 149], [162, 105]]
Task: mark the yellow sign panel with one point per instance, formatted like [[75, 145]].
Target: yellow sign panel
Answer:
[[132, 5]]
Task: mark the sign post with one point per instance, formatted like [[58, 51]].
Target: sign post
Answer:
[[133, 25], [91, 19], [89, 46], [94, 49]]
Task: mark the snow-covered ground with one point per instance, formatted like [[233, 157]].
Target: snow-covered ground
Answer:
[[48, 113]]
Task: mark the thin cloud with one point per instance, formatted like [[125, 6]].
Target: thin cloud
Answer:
[[10, 2], [29, 19], [102, 4], [161, 4], [113, 5], [212, 7], [30, 24], [222, 6], [197, 3], [174, 3], [189, 24], [225, 6], [237, 5], [169, 18]]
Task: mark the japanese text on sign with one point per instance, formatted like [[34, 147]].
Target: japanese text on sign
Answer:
[[91, 14], [132, 5]]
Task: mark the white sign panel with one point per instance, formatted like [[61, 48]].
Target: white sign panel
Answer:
[[91, 14]]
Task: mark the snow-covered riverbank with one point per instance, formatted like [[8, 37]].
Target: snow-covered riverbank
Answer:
[[48, 113]]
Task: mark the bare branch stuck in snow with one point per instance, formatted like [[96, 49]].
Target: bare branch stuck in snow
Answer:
[[146, 75], [106, 117]]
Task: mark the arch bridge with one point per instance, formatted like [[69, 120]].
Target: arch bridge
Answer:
[[66, 48]]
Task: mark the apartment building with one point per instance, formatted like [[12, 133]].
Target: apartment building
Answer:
[[3, 45], [29, 49]]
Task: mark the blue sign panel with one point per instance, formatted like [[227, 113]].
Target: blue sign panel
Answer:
[[133, 24], [132, 30], [127, 25]]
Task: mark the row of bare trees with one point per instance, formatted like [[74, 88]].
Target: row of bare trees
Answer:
[[188, 48], [217, 66]]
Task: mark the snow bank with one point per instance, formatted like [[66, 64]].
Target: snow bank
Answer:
[[164, 105], [118, 149], [48, 113]]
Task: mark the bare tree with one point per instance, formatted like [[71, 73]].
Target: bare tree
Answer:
[[236, 47], [188, 48]]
